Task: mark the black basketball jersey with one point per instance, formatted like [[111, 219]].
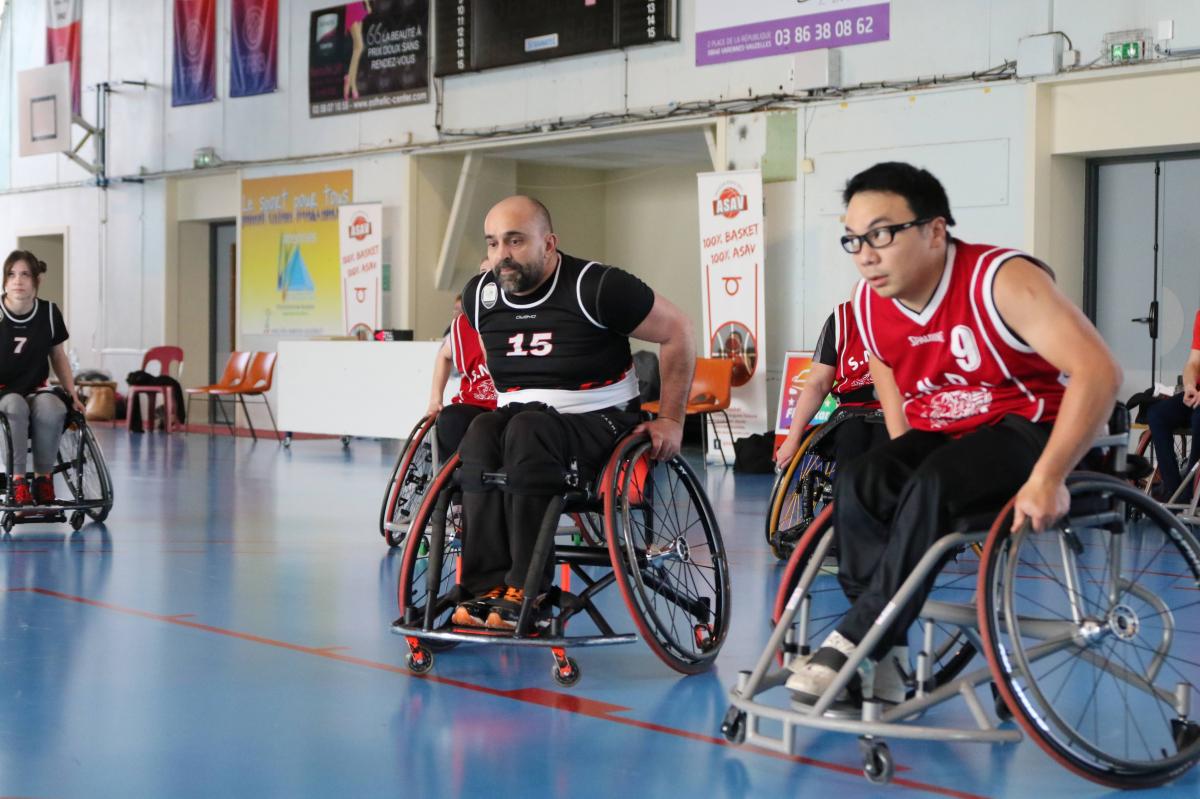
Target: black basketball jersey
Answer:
[[25, 344], [567, 343]]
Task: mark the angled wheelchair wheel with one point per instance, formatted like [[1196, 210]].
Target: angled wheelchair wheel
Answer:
[[800, 491], [667, 555], [1091, 634], [824, 604], [414, 591], [409, 480], [82, 467]]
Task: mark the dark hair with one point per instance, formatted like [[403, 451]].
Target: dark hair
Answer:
[[923, 192], [36, 267]]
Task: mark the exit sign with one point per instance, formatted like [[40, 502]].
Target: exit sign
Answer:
[[1125, 51]]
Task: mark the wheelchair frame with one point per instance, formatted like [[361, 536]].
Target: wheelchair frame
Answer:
[[87, 451], [782, 489], [875, 720], [423, 632], [408, 469]]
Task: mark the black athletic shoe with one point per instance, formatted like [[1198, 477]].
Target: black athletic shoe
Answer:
[[474, 612]]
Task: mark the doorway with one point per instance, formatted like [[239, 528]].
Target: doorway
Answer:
[[1142, 280], [50, 248], [222, 299]]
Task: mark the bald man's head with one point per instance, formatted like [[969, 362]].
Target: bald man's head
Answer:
[[521, 244]]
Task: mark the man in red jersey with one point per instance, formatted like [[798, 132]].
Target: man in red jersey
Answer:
[[971, 349]]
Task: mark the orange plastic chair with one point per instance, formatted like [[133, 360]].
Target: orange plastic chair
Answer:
[[711, 392], [164, 356], [257, 383], [235, 372]]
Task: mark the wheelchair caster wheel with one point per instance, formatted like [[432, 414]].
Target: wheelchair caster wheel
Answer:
[[878, 766], [8, 520], [566, 671], [704, 637], [77, 520], [419, 660], [733, 728]]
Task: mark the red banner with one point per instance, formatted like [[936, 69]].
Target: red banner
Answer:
[[195, 73], [64, 30]]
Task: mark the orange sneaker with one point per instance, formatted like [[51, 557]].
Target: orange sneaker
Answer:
[[474, 612]]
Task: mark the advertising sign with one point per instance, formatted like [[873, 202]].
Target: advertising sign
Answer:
[[368, 56], [361, 243], [731, 271], [64, 34], [795, 372], [291, 283], [728, 31]]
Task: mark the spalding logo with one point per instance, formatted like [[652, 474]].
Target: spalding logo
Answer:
[[489, 295], [730, 202]]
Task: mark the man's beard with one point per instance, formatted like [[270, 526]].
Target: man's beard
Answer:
[[521, 278]]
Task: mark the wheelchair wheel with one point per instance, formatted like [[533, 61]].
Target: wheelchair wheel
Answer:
[[413, 588], [1090, 631], [82, 466], [951, 649], [800, 491], [667, 555], [406, 486]]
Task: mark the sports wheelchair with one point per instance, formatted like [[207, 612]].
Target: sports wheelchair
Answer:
[[79, 463], [414, 469], [1187, 511], [805, 485], [647, 523], [1088, 629]]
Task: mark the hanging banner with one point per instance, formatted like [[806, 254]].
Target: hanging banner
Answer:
[[731, 267], [290, 281], [728, 31], [367, 56], [361, 245], [796, 366], [64, 34], [195, 72], [253, 47]]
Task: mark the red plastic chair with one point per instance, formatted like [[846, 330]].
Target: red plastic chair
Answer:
[[164, 356]]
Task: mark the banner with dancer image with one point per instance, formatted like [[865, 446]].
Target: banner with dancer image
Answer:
[[64, 34], [291, 283], [731, 272], [194, 78], [254, 42], [366, 56]]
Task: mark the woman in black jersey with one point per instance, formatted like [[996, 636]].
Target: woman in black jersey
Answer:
[[32, 333]]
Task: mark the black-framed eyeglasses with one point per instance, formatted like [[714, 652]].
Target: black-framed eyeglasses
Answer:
[[879, 237]]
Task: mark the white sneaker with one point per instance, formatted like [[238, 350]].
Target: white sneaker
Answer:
[[891, 676], [812, 676]]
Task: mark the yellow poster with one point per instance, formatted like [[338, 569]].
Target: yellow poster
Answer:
[[291, 277]]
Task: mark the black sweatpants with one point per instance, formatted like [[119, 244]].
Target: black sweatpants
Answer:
[[533, 445], [854, 436], [451, 425], [893, 504]]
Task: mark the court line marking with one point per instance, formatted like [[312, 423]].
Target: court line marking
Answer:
[[542, 697]]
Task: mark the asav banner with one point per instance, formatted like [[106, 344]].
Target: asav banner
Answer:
[[361, 242], [731, 271]]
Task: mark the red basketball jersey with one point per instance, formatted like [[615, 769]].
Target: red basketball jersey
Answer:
[[476, 386], [853, 370], [956, 363]]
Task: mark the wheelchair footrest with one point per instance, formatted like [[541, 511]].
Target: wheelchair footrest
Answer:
[[505, 637]]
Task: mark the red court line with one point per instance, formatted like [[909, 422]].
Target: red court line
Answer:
[[555, 700]]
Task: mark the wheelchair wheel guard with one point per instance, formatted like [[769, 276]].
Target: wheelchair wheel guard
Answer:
[[406, 487]]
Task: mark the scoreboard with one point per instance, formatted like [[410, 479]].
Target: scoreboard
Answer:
[[474, 35]]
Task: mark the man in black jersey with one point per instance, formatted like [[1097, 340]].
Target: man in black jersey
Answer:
[[556, 332]]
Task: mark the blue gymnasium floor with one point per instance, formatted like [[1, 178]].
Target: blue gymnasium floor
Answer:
[[226, 634]]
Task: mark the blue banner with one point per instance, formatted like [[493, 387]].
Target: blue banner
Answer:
[[255, 36], [195, 73]]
